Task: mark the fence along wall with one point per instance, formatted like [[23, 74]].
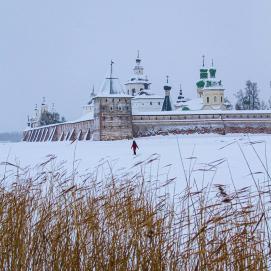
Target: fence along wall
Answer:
[[153, 124]]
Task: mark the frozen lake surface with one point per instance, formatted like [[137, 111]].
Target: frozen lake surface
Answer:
[[200, 158]]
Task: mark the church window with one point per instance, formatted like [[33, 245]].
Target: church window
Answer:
[[207, 100]]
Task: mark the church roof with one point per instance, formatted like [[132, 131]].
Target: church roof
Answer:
[[111, 84], [167, 104]]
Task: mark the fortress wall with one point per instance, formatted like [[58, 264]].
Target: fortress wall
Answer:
[[146, 125], [118, 123], [82, 130]]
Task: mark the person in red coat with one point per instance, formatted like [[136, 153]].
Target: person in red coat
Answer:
[[134, 147]]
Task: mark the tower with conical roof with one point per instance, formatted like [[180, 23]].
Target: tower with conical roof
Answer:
[[167, 103], [111, 84], [89, 107], [112, 111], [181, 101]]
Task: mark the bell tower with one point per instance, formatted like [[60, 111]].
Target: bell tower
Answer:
[[138, 84]]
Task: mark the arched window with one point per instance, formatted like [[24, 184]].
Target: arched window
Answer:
[[221, 99], [215, 99], [207, 100]]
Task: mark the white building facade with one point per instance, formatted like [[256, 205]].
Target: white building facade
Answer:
[[139, 87], [210, 90]]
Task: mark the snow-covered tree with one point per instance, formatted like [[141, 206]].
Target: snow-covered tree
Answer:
[[48, 118], [263, 105], [249, 98], [228, 104]]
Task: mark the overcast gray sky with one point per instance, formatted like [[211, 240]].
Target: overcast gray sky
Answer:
[[60, 48]]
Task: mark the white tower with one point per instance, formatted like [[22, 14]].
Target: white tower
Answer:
[[138, 84], [44, 106]]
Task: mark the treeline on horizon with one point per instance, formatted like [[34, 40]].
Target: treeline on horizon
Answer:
[[11, 136]]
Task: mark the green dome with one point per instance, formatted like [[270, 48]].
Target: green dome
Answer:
[[200, 84]]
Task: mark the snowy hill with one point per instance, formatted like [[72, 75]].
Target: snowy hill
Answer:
[[203, 158]]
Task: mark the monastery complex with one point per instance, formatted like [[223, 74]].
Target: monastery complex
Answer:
[[116, 112]]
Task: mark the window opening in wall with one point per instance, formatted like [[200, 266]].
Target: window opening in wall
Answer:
[[150, 103], [207, 99], [215, 99], [221, 99], [158, 103]]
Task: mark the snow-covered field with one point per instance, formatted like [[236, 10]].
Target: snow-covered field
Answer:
[[205, 157]]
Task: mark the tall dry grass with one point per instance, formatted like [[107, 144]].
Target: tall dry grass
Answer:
[[55, 220]]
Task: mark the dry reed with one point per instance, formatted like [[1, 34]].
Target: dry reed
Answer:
[[59, 221]]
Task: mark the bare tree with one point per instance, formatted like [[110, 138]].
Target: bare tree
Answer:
[[249, 98], [228, 104]]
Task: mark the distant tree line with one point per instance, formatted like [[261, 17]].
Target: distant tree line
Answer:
[[248, 99], [11, 137]]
